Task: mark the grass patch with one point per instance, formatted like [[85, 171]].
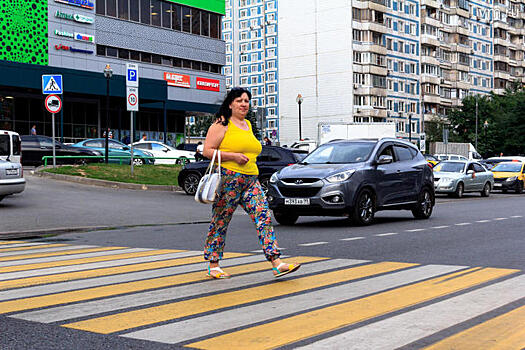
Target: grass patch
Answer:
[[143, 174]]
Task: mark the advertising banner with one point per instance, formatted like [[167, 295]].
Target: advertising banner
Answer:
[[208, 84], [178, 80]]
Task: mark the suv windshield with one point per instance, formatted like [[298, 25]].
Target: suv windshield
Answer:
[[508, 167], [340, 153], [450, 167]]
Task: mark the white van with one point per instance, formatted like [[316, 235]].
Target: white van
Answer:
[[10, 146]]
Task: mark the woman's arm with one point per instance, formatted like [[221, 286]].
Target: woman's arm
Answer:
[[213, 141]]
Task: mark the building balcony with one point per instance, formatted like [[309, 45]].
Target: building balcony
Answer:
[[501, 75], [500, 41], [369, 90], [370, 47], [370, 26], [378, 5], [460, 66], [465, 85], [429, 40], [430, 3], [429, 60], [461, 48], [500, 24], [499, 91], [460, 12], [369, 111], [431, 21], [501, 58], [432, 79], [367, 68], [460, 30], [431, 98]]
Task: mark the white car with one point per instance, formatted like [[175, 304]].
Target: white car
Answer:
[[450, 157], [161, 150], [11, 179]]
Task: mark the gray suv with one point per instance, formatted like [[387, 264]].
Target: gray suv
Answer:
[[354, 178]]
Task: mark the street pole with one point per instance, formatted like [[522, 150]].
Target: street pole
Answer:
[[476, 123], [53, 137], [131, 139], [299, 101], [108, 72], [410, 128]]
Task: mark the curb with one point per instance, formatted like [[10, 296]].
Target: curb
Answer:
[[47, 231], [106, 183]]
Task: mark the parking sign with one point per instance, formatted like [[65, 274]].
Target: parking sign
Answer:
[[132, 75]]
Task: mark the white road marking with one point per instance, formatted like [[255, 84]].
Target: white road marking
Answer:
[[516, 216], [387, 234], [499, 219], [482, 221], [311, 244], [259, 251], [416, 230], [463, 224], [440, 227], [351, 238]]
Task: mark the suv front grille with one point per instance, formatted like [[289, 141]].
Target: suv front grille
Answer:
[[299, 192], [501, 179], [296, 180]]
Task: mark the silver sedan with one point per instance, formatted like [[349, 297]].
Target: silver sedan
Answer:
[[11, 179], [457, 177]]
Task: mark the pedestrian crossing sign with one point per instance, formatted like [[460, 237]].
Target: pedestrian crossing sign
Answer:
[[52, 84]]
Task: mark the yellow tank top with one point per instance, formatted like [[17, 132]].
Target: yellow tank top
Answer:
[[238, 140]]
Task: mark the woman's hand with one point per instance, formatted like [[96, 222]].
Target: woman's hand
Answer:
[[241, 159]]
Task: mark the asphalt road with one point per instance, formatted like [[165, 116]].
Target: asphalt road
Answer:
[[368, 292]]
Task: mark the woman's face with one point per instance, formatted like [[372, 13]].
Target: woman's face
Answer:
[[240, 105]]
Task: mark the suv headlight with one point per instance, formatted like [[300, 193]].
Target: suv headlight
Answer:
[[510, 179], [340, 177], [274, 178]]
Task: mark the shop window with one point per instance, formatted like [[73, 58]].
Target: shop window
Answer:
[[166, 15], [205, 67], [215, 68], [155, 12], [134, 10], [214, 26], [111, 8], [186, 64], [111, 52], [123, 53], [145, 12], [205, 23], [196, 21], [157, 59], [186, 19], [195, 65], [166, 60], [177, 62], [145, 57], [101, 50], [176, 20], [123, 10], [101, 7], [134, 55]]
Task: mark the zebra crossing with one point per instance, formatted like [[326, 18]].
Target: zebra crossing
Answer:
[[163, 295]]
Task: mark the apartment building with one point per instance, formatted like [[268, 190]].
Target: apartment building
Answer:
[[250, 33]]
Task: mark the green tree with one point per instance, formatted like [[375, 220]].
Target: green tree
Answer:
[[201, 126]]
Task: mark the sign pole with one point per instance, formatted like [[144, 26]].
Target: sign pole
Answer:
[[53, 137], [131, 138]]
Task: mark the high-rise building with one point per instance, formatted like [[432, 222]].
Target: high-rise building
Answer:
[[177, 45], [250, 32]]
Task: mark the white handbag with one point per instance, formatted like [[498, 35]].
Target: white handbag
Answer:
[[209, 183]]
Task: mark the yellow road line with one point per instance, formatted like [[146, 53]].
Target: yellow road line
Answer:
[[313, 323], [128, 287], [151, 315], [32, 247], [59, 253], [69, 276], [12, 242], [504, 332], [86, 260]]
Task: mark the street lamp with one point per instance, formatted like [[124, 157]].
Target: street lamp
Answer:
[[299, 101], [410, 128], [485, 127], [476, 122], [108, 73]]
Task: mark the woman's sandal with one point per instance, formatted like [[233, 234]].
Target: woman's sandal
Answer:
[[220, 275], [291, 268]]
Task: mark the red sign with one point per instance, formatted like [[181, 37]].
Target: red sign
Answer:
[[53, 104], [208, 84], [179, 80]]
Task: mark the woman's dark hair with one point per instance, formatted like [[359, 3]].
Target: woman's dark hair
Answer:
[[225, 110]]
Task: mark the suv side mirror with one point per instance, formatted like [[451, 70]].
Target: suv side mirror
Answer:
[[385, 159]]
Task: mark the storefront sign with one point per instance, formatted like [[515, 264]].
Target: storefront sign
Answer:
[[74, 17], [179, 80], [80, 3], [72, 49], [64, 33], [208, 84], [85, 37]]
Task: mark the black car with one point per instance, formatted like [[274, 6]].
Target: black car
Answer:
[[34, 147], [354, 178], [271, 159]]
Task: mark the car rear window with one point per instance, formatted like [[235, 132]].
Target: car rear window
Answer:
[[17, 145], [4, 145]]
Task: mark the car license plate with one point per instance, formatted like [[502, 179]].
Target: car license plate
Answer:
[[11, 171], [497, 185], [297, 201]]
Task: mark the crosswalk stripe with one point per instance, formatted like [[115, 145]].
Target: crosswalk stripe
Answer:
[[317, 322], [2, 251], [20, 244], [155, 296], [425, 321], [506, 331], [38, 252], [67, 276], [60, 287], [10, 242], [81, 253], [186, 330], [71, 262], [151, 315]]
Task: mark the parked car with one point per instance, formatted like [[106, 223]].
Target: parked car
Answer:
[[161, 150], [442, 157], [354, 178], [11, 178], [509, 176], [457, 177], [34, 147], [271, 159], [116, 148], [192, 147], [10, 146]]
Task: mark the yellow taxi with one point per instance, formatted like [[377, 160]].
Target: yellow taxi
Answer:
[[509, 176]]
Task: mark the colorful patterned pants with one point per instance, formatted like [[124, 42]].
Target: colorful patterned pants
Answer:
[[237, 188]]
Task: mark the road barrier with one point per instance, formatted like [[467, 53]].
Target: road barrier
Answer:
[[120, 158]]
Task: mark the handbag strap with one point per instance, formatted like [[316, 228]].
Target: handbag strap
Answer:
[[209, 170]]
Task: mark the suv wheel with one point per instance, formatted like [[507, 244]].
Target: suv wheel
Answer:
[[486, 190], [364, 208], [190, 183], [138, 161], [519, 187], [459, 190], [285, 218], [424, 206]]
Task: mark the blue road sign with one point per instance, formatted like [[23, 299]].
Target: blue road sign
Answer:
[[132, 75], [52, 84]]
